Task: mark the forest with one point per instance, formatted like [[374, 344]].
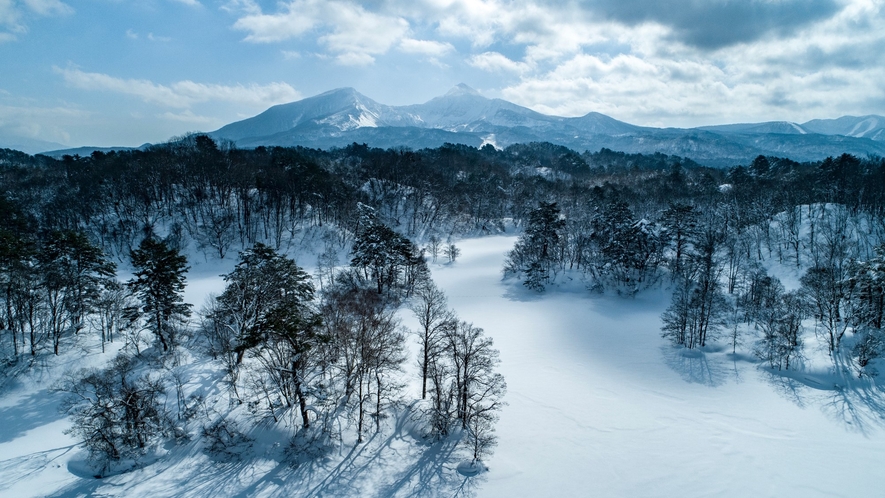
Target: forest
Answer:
[[310, 350]]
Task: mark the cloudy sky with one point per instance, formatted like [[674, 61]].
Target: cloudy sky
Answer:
[[125, 72]]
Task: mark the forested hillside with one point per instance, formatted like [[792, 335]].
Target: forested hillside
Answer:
[[623, 221], [315, 352]]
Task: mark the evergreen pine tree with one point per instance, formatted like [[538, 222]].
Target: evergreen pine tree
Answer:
[[159, 283], [537, 252]]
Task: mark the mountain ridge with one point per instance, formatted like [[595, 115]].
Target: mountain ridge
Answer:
[[463, 115], [341, 116]]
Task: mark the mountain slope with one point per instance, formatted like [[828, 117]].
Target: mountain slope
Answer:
[[464, 109], [343, 108], [872, 127], [781, 127]]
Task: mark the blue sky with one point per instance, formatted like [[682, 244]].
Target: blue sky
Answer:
[[118, 72]]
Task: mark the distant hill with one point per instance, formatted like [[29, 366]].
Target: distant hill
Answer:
[[86, 151], [25, 144]]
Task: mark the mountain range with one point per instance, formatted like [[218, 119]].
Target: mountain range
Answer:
[[343, 116], [340, 117]]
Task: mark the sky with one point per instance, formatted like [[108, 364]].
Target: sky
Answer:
[[122, 73]]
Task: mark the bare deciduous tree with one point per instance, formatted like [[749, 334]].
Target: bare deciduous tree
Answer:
[[430, 306], [116, 413]]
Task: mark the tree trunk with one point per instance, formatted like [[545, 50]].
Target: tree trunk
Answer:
[[160, 332], [359, 426], [302, 403], [424, 368], [377, 401]]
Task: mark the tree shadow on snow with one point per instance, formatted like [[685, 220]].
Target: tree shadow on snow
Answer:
[[861, 408], [859, 403], [433, 474], [23, 467], [430, 471], [694, 366], [788, 387], [391, 463], [515, 291], [37, 409]]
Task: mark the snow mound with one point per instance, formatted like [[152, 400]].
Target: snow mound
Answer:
[[471, 468]]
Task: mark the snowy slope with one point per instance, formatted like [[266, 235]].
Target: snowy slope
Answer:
[[599, 405], [872, 126], [779, 127], [464, 109], [342, 109]]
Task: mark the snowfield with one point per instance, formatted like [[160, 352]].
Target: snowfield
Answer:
[[598, 405]]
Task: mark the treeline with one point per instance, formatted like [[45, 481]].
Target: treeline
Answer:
[[65, 223], [221, 197], [710, 241], [319, 362], [624, 221]]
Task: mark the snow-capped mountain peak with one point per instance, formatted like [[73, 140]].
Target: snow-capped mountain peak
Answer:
[[461, 89]]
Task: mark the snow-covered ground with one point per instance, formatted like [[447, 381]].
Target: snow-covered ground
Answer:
[[599, 405]]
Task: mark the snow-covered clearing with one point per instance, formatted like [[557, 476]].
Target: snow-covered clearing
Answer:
[[599, 405]]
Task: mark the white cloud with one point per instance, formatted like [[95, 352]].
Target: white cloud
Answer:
[[621, 85], [132, 35], [360, 34], [828, 70], [238, 7], [496, 62], [8, 12], [354, 59], [13, 14], [143, 89], [298, 18], [478, 21], [153, 37], [352, 34], [182, 94], [571, 58], [425, 47], [16, 114], [252, 94], [187, 117], [42, 123], [48, 7]]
